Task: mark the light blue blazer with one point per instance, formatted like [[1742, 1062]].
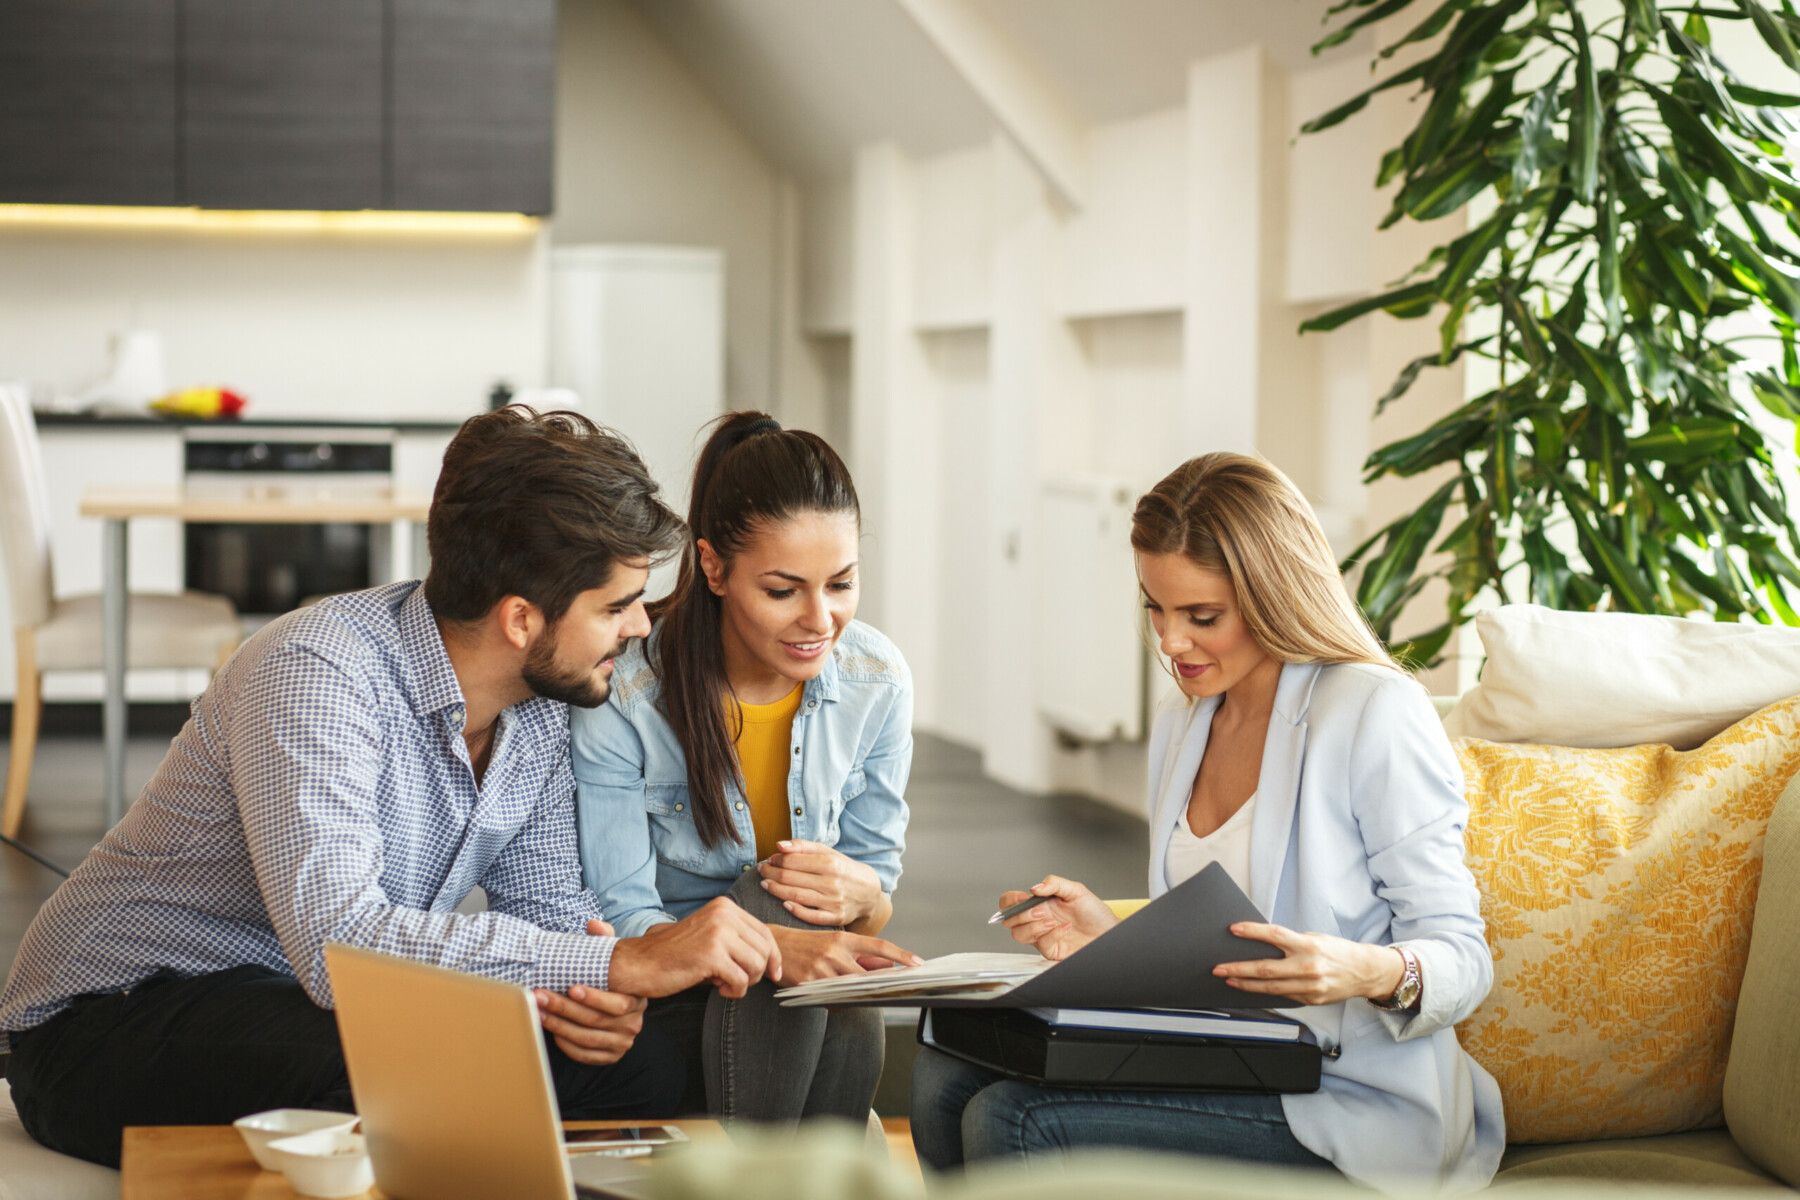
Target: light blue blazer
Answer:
[[1358, 832]]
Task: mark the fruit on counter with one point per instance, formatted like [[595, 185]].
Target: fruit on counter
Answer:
[[200, 402]]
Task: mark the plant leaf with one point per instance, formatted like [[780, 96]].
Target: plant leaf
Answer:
[[1425, 650], [1360, 101], [1386, 9], [1399, 298], [1585, 115], [1430, 27], [1535, 131], [1409, 374], [1687, 440], [1442, 192], [1384, 579], [1745, 94], [1608, 237], [1696, 136], [1772, 33]]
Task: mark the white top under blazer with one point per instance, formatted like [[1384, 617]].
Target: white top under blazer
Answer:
[[1358, 831], [1228, 845]]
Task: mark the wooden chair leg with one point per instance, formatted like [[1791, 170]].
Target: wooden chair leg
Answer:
[[28, 706]]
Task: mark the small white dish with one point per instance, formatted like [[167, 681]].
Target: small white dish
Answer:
[[330, 1163], [259, 1129]]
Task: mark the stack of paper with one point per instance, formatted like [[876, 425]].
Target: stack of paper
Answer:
[[952, 977], [1229, 1023]]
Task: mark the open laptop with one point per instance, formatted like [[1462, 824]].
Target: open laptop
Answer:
[[453, 1086]]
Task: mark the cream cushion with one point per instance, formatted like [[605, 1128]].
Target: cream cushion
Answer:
[[189, 630], [30, 1172], [1619, 889], [1603, 680]]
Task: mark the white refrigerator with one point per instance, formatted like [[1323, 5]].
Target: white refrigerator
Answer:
[[638, 332]]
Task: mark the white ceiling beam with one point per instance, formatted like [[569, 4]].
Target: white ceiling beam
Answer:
[[1025, 107]]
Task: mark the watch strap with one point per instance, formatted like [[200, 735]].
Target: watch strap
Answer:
[[1407, 994]]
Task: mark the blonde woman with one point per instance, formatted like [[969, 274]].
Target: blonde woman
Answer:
[[1303, 760]]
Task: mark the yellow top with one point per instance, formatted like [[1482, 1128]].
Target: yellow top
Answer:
[[763, 755]]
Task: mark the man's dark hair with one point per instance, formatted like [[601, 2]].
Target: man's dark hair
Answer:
[[539, 506]]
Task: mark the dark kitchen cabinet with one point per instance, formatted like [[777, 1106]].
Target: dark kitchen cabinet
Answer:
[[88, 102], [473, 104], [283, 103], [296, 104]]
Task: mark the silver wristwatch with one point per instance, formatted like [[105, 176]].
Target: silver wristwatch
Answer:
[[1405, 996]]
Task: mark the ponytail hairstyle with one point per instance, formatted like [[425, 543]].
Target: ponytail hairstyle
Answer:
[[752, 474], [1241, 517]]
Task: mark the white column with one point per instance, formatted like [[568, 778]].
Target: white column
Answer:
[[1225, 231], [894, 421], [1016, 745]]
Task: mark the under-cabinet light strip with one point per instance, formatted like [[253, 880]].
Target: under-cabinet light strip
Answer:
[[271, 220]]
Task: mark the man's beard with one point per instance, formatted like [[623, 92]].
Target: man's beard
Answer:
[[583, 689]]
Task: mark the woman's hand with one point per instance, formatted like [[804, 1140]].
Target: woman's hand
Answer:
[[1062, 926], [820, 885], [589, 1025], [809, 954], [1318, 968]]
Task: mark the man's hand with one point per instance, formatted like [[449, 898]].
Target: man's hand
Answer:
[[592, 1026], [809, 954], [719, 943], [820, 885]]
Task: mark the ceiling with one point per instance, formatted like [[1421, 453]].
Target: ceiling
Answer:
[[810, 80], [1119, 58]]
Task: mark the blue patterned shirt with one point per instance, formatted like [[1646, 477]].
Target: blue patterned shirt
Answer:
[[322, 792]]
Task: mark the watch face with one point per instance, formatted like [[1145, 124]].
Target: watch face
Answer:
[[1409, 986]]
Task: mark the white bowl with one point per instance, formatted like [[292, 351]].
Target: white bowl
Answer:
[[259, 1129], [328, 1163]]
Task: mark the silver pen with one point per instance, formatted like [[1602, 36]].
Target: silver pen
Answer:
[[1013, 910]]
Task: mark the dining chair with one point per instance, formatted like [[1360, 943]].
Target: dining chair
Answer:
[[191, 630]]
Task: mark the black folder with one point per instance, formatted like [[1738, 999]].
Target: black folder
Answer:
[[1021, 1046], [1160, 957]]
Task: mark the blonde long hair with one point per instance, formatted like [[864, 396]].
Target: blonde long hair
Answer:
[[1243, 518]]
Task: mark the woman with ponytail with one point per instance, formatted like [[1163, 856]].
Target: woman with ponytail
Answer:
[[757, 747]]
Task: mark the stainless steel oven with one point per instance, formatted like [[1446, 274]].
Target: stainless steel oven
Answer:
[[269, 569]]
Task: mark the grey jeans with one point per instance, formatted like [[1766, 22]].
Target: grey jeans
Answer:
[[760, 1062]]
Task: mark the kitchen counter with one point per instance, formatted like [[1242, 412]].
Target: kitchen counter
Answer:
[[120, 421]]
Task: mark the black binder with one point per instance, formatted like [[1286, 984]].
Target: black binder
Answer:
[[1021, 1046]]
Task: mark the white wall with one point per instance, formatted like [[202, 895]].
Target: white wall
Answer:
[[960, 371], [644, 154], [345, 324], [1000, 339]]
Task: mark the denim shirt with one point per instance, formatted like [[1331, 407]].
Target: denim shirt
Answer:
[[641, 852]]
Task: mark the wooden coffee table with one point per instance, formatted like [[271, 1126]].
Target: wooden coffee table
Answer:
[[210, 1162]]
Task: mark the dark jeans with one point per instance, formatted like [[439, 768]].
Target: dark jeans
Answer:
[[752, 1060], [962, 1113], [213, 1048]]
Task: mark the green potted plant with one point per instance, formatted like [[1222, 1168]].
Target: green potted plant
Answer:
[[1638, 196]]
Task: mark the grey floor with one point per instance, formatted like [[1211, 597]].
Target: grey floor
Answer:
[[970, 839]]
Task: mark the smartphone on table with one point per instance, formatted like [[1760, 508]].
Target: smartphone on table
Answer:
[[627, 1140]]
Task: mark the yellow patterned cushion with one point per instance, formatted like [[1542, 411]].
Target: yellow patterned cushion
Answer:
[[1618, 888]]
